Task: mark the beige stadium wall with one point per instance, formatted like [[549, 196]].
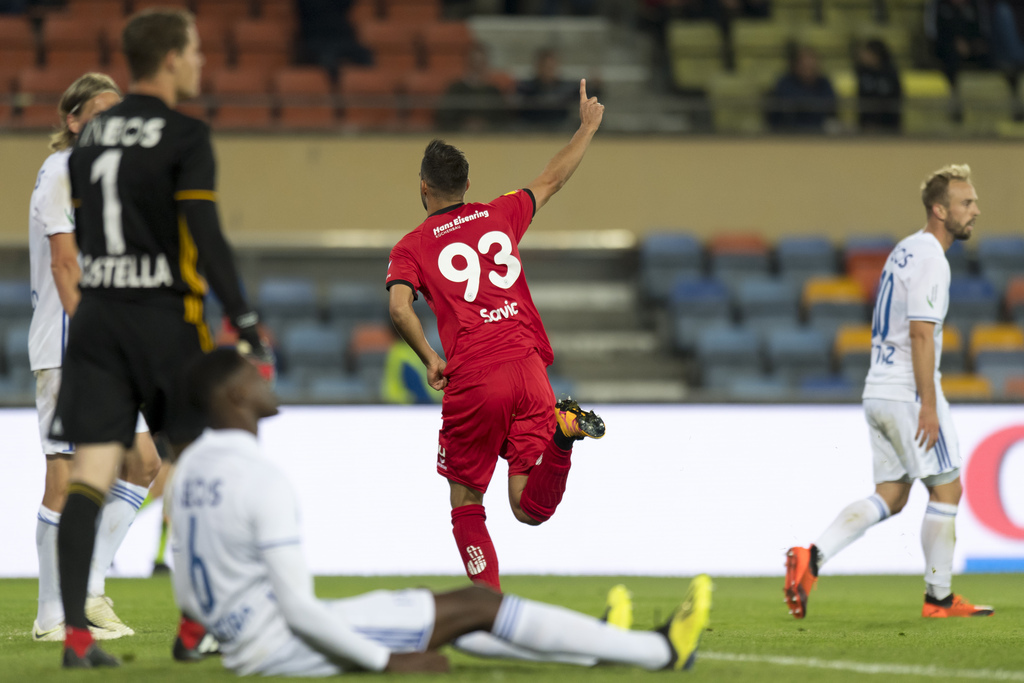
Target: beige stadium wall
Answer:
[[290, 188]]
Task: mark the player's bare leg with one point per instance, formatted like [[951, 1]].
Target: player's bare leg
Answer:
[[471, 536], [92, 472]]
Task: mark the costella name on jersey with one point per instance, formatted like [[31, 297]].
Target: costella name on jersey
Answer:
[[126, 272], [442, 230], [117, 131]]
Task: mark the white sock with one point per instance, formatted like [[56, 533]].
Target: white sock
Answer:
[[484, 644], [51, 610], [938, 536], [551, 629], [123, 502], [850, 525]]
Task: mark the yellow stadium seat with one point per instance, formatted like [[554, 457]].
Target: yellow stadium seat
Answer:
[[736, 103], [695, 72], [845, 85], [695, 51], [846, 14], [996, 337], [926, 101], [832, 290], [906, 12], [952, 340], [831, 43], [987, 101], [966, 387], [794, 12], [759, 38], [853, 339]]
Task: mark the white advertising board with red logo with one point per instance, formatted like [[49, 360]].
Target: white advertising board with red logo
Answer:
[[671, 490]]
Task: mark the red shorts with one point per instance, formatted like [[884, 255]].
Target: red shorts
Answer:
[[505, 410]]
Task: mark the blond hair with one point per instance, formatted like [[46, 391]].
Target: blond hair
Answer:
[[935, 188], [85, 87]]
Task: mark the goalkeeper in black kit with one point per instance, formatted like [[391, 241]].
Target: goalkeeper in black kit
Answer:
[[143, 188]]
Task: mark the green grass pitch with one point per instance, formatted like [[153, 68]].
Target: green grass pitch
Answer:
[[858, 629]]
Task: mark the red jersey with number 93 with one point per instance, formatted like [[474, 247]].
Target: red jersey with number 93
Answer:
[[465, 261]]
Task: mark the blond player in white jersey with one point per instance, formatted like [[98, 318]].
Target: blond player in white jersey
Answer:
[[240, 571], [912, 433], [53, 258]]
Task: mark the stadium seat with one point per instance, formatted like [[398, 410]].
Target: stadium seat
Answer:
[[229, 11], [997, 352], [798, 353], [16, 349], [446, 46], [737, 256], [422, 90], [695, 305], [866, 269], [953, 357], [261, 44], [395, 45], [365, 10], [71, 41], [987, 101], [833, 302], [368, 348], [1001, 258], [304, 98], [830, 41], [859, 244], [280, 12], [998, 366], [800, 258], [15, 303], [972, 300], [213, 37], [357, 302], [316, 348], [926, 103], [695, 52], [759, 388], [287, 298], [896, 36], [966, 387], [412, 11], [241, 100], [96, 9], [666, 257], [726, 353], [736, 101], [342, 388], [759, 46], [766, 304], [16, 35], [40, 90], [1014, 388], [795, 12], [905, 12], [827, 387], [1015, 299], [996, 337], [959, 260], [853, 352], [369, 98]]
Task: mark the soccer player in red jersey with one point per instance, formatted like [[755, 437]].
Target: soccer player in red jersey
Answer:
[[464, 258]]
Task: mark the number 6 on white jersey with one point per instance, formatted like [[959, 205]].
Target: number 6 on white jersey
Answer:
[[471, 273]]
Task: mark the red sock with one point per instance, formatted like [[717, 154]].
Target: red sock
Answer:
[[546, 483], [475, 545], [78, 639], [190, 632]]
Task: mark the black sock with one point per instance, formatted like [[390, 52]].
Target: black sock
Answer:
[[562, 441], [75, 541], [815, 559]]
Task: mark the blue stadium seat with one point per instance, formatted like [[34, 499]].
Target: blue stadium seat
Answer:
[[693, 306], [800, 258], [862, 243], [766, 304], [15, 303], [287, 298], [826, 388], [798, 353], [959, 260], [665, 258], [357, 302], [726, 353], [734, 267], [998, 366], [758, 389], [972, 300], [16, 349], [317, 347], [290, 387], [342, 388], [1000, 258]]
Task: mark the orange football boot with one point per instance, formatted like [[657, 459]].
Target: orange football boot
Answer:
[[953, 606], [575, 423], [799, 580]]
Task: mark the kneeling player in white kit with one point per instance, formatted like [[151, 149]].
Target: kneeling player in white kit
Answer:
[[53, 257], [239, 570], [912, 433]]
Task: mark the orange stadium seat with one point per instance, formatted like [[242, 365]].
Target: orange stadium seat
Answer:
[[966, 387], [422, 11], [423, 90], [305, 98], [369, 97], [996, 337], [365, 10], [17, 42], [261, 44], [395, 45], [447, 45], [281, 12], [213, 42], [737, 243], [140, 5], [96, 9], [242, 100], [197, 109], [112, 29], [1015, 298], [1014, 387], [41, 90], [866, 268], [226, 10], [6, 113], [70, 41]]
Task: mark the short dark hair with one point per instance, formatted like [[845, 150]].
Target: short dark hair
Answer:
[[444, 168], [150, 35], [209, 372]]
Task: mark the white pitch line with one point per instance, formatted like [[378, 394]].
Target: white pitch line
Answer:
[[866, 667]]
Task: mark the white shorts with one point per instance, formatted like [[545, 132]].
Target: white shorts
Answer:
[[47, 389], [402, 621], [892, 425]]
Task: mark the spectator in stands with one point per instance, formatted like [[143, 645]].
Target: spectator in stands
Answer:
[[13, 6], [879, 94], [473, 103], [327, 37], [960, 32], [1008, 35], [803, 100], [545, 99]]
